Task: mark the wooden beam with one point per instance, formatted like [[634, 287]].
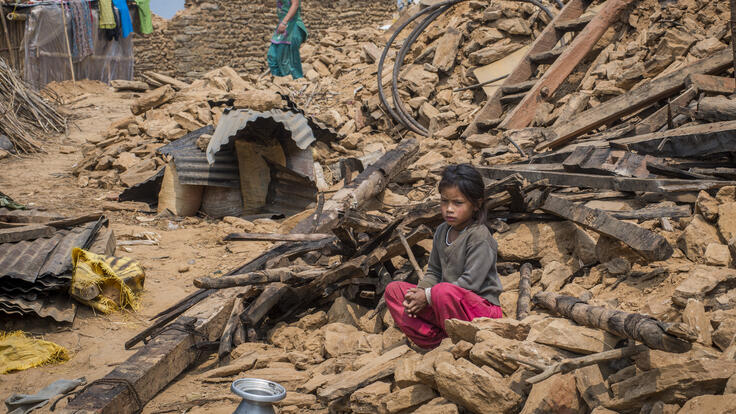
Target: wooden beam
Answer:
[[636, 99], [648, 244], [652, 213], [276, 237], [259, 277], [523, 114], [658, 119], [669, 337], [601, 182], [525, 69], [32, 232], [712, 84], [686, 142], [159, 362], [523, 304]]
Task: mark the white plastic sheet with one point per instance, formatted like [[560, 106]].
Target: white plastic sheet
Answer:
[[47, 59]]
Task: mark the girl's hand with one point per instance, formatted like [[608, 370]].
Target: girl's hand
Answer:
[[414, 301], [281, 28]]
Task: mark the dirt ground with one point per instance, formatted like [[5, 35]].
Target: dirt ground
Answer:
[[95, 341]]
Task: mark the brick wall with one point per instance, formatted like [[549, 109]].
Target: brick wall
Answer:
[[214, 33]]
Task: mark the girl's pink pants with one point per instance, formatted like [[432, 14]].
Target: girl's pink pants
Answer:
[[448, 302]]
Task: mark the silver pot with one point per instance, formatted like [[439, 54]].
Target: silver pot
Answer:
[[258, 395]]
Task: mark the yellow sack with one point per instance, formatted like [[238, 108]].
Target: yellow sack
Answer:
[[106, 283], [19, 351]]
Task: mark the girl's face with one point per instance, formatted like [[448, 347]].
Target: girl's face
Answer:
[[457, 210]]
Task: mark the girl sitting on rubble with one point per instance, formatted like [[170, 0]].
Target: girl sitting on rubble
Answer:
[[461, 280], [283, 55]]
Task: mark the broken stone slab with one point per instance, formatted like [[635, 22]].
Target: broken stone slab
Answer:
[[437, 406], [672, 384], [343, 339], [290, 378], [653, 358], [694, 315], [565, 334], [425, 369], [407, 398], [727, 220], [554, 276], [710, 404], [344, 311], [447, 45], [529, 240], [258, 100], [493, 350], [592, 387], [405, 372], [724, 334], [509, 328], [152, 99], [696, 237], [703, 281], [707, 206], [555, 394], [494, 52], [367, 400], [475, 389], [717, 254], [350, 381]]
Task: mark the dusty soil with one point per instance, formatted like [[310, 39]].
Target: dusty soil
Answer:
[[95, 341]]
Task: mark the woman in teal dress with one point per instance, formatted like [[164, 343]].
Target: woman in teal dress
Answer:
[[283, 55]]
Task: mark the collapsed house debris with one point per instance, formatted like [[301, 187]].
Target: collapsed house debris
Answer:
[[609, 188]]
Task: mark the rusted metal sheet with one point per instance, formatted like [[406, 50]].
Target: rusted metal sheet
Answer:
[[241, 122], [289, 192], [60, 307]]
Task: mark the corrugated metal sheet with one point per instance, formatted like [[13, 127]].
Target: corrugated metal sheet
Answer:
[[234, 122], [289, 192], [45, 257], [193, 169], [59, 307], [187, 141], [147, 191]]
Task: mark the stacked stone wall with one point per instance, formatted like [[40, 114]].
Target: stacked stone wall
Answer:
[[214, 33]]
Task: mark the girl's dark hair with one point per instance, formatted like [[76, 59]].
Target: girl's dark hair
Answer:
[[469, 181]]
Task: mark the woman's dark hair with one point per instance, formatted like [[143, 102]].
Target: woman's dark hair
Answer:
[[469, 181]]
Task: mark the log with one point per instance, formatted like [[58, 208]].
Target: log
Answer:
[[635, 99], [523, 114], [265, 302], [546, 40], [571, 364], [410, 254], [650, 245], [259, 277], [523, 304], [716, 108], [712, 84], [159, 362], [129, 85], [368, 184], [659, 118], [226, 339], [668, 337], [166, 80], [276, 237], [31, 232], [686, 142], [600, 182]]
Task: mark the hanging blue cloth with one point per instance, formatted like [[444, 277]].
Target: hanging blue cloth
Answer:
[[125, 22]]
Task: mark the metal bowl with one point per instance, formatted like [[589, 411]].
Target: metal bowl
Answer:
[[258, 390]]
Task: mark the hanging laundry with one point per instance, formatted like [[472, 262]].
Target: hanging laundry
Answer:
[[107, 17], [144, 16], [125, 21], [83, 44]]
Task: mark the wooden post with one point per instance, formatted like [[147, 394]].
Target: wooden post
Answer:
[[13, 62], [669, 337], [525, 291], [66, 38], [733, 34], [523, 113]]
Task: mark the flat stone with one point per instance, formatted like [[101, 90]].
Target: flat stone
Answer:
[[727, 220], [554, 276], [475, 389], [313, 321], [701, 281], [460, 330], [342, 339], [565, 334], [482, 140], [407, 398], [694, 315], [696, 237], [514, 26], [298, 399], [592, 387], [425, 369], [439, 405], [724, 335], [258, 100], [405, 372], [527, 241], [494, 52], [367, 400], [491, 350], [555, 394], [672, 384], [726, 194], [717, 254], [447, 45], [290, 378], [344, 311], [710, 404]]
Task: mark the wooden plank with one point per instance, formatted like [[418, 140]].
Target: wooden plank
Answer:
[[156, 364], [32, 232], [650, 245], [658, 119], [600, 182], [652, 213], [712, 84], [265, 302], [277, 237], [686, 142], [634, 100], [523, 114], [525, 69]]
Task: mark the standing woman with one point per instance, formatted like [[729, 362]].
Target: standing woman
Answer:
[[283, 55]]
